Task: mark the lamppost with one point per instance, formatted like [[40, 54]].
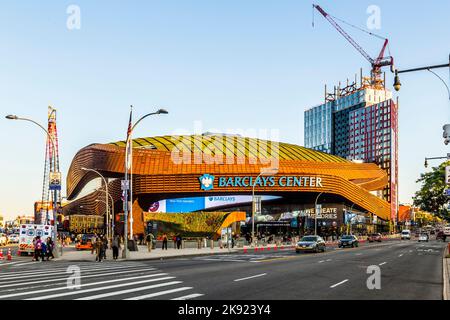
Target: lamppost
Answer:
[[125, 253], [264, 172], [108, 234], [397, 84], [111, 218], [55, 201]]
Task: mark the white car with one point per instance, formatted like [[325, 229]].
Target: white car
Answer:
[[406, 235], [423, 237], [3, 239], [13, 238]]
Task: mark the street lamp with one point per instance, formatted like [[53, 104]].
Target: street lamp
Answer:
[[264, 172], [435, 158], [108, 234], [130, 133], [55, 201], [397, 84], [113, 214]]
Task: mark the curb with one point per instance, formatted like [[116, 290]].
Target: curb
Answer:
[[152, 258]]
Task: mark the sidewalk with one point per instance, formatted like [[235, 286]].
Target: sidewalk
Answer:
[[446, 274], [71, 254]]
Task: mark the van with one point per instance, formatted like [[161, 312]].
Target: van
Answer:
[[406, 235]]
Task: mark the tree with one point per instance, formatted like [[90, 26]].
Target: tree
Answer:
[[431, 195]]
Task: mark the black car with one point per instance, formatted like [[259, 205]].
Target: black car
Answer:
[[348, 241]]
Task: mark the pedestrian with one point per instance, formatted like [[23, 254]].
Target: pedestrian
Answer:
[[164, 241], [174, 242], [105, 246], [43, 250], [179, 241], [50, 248], [115, 247], [149, 240], [93, 243], [36, 249], [99, 250]]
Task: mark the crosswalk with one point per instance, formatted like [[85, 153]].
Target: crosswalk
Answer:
[[255, 258], [107, 280]]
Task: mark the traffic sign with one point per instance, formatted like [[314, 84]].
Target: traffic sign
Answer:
[[55, 181], [447, 192], [125, 185], [257, 204], [319, 211]]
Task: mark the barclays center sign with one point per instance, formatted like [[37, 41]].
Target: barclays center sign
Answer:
[[208, 182]]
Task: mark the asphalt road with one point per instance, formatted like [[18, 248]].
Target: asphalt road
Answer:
[[408, 269]]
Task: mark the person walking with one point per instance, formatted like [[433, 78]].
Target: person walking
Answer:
[[174, 239], [50, 247], [105, 246], [37, 248], [179, 241], [99, 249], [43, 250], [115, 247], [93, 242], [164, 241], [150, 238]]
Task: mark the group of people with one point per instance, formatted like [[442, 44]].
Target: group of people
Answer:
[[100, 246], [43, 249]]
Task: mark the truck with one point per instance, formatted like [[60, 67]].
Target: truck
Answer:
[[28, 232]]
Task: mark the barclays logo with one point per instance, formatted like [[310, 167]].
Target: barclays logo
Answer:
[[206, 182]]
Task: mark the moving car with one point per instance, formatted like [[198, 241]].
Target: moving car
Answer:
[[3, 239], [348, 241], [374, 237], [423, 237], [85, 243], [406, 235], [310, 243], [13, 238]]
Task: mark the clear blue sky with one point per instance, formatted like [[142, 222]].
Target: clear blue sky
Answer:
[[230, 64]]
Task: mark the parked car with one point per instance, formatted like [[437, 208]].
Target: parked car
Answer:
[[348, 241], [3, 239], [13, 238], [374, 237], [310, 243], [406, 235], [423, 237]]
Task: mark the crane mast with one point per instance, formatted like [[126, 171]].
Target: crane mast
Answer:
[[377, 64]]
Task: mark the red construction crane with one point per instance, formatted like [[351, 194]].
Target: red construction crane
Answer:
[[378, 63]]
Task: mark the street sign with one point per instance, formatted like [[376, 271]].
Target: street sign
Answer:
[[319, 211], [257, 204], [55, 181], [447, 175], [125, 185], [447, 192]]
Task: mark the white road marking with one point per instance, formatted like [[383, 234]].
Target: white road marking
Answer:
[[9, 263], [15, 283], [191, 296], [328, 260], [160, 293], [84, 285], [321, 261], [128, 284], [358, 254], [256, 276], [26, 263], [401, 255], [116, 293], [338, 284], [382, 264]]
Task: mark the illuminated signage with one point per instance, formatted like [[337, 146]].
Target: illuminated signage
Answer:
[[207, 182]]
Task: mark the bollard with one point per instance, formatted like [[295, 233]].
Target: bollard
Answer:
[[245, 249], [211, 244]]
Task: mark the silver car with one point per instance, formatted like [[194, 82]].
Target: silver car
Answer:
[[310, 244]]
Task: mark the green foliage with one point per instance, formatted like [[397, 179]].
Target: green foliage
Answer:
[[431, 196]]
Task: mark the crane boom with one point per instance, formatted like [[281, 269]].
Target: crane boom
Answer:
[[377, 63]]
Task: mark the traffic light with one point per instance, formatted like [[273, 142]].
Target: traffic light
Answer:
[[446, 134]]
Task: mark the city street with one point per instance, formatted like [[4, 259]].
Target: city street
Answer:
[[409, 270]]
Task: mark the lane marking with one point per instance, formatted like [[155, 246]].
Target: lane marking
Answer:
[[84, 285], [382, 264], [102, 288], [358, 254], [190, 296], [15, 283], [338, 284], [9, 263], [401, 255], [328, 260], [116, 293], [256, 276], [321, 261]]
